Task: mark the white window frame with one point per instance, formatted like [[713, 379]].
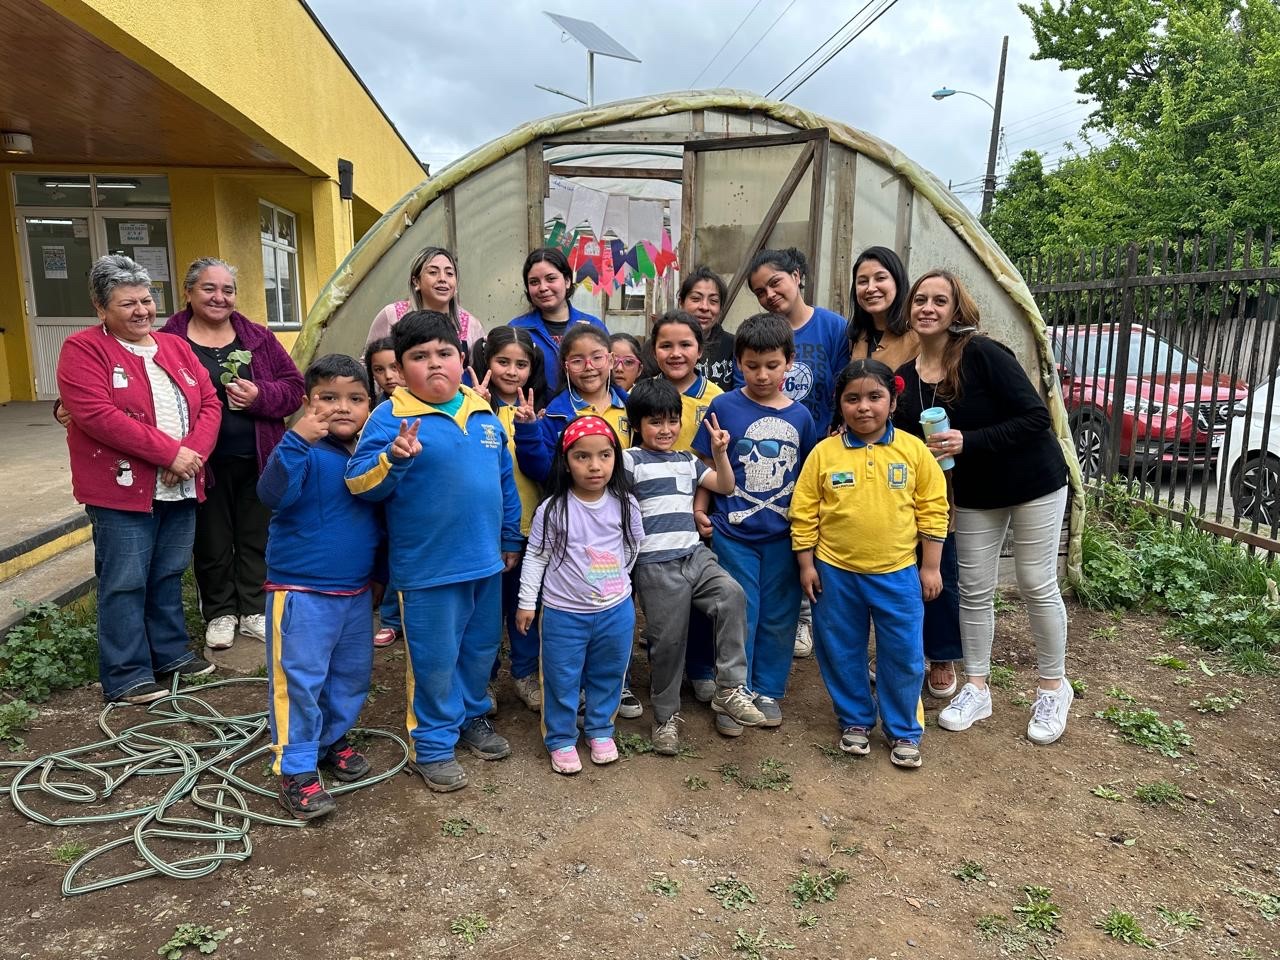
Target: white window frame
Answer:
[[278, 246]]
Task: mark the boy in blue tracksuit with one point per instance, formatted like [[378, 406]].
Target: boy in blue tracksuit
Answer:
[[437, 457], [319, 612]]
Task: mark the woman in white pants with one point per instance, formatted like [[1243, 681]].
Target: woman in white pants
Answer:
[[1009, 472]]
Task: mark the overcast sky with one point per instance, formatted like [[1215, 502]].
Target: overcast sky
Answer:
[[454, 74]]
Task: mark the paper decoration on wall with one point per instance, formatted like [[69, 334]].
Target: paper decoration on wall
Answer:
[[587, 206], [646, 219], [617, 219], [556, 206]]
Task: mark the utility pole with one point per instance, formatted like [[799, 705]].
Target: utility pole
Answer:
[[989, 186]]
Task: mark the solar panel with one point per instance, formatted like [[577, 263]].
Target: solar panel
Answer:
[[592, 37]]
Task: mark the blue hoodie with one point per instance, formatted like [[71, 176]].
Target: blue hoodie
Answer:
[[536, 441], [549, 345]]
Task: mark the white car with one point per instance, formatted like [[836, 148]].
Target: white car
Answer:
[[1249, 465]]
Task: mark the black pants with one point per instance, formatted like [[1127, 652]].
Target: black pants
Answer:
[[231, 541]]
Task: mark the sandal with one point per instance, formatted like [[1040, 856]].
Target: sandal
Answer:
[[386, 637]]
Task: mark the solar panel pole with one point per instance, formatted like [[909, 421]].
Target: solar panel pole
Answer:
[[591, 78]]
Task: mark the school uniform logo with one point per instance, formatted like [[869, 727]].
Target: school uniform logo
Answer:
[[490, 438], [897, 476], [844, 478], [119, 379]]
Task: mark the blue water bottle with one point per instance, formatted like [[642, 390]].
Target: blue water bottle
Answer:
[[935, 420]]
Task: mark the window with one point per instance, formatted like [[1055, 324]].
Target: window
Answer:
[[278, 229]]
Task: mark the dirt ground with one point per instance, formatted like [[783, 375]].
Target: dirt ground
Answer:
[[559, 867]]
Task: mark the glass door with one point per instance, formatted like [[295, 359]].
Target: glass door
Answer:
[[145, 238], [58, 252]]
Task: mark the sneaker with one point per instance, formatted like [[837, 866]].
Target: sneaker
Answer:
[[726, 726], [771, 709], [304, 796], [703, 690], [142, 693], [1049, 714], [804, 639], [970, 706], [566, 761], [386, 637], [442, 776], [603, 750], [220, 633], [254, 626], [942, 679], [480, 738], [529, 690], [630, 707], [856, 740], [492, 692], [738, 703], [196, 667], [904, 753], [344, 761], [666, 736]]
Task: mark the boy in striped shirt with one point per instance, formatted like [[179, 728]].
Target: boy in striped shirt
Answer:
[[674, 570]]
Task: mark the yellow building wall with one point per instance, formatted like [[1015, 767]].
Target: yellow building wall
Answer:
[[15, 362]]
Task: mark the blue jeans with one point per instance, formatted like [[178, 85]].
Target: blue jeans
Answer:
[[770, 577], [588, 652], [942, 613], [139, 559]]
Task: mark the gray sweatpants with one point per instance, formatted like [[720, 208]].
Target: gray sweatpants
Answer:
[[667, 590]]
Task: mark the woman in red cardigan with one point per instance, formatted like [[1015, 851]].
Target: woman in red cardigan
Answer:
[[144, 419]]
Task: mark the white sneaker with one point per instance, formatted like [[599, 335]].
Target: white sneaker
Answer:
[[1049, 714], [220, 632], [804, 639], [254, 626], [969, 706], [529, 691]]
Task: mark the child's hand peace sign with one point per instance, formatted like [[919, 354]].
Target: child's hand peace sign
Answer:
[[719, 438], [313, 424], [524, 411], [407, 445], [481, 386]]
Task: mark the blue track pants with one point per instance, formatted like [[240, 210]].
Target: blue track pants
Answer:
[[588, 652]]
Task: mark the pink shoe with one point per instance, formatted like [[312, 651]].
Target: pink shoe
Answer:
[[603, 750], [385, 637], [566, 761]]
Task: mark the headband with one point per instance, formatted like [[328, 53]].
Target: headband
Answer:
[[586, 427]]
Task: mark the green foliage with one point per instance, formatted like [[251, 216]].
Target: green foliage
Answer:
[[815, 887], [1123, 927], [201, 936], [1180, 919], [16, 716], [469, 928], [754, 944], [732, 893], [773, 775], [695, 783], [970, 872], [1105, 633], [70, 852], [1145, 728], [633, 744], [1039, 912], [231, 366], [50, 649], [1002, 677], [1158, 793], [663, 886], [1168, 660], [1121, 694], [1080, 688], [1107, 793], [459, 827], [1268, 904], [1219, 705]]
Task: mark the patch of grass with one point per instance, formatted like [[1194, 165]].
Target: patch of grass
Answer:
[[201, 936], [834, 753], [470, 927], [1010, 939], [1019, 700], [1145, 728], [1038, 912], [52, 648], [16, 717], [816, 887], [633, 744], [773, 775], [970, 871], [1159, 793], [459, 827], [807, 920], [1121, 694], [1268, 904], [1104, 633], [1001, 677], [695, 783], [1080, 687], [1180, 919], [1107, 793], [375, 691], [991, 925], [663, 886], [1122, 926], [754, 944], [1182, 680], [490, 789], [732, 893], [70, 852], [1219, 704], [1169, 660], [849, 851], [1000, 603]]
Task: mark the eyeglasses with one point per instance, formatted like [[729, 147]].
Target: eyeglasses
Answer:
[[626, 362], [578, 364], [766, 448]]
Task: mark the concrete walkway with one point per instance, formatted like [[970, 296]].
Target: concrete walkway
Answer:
[[35, 475]]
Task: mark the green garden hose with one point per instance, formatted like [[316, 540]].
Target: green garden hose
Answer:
[[205, 772]]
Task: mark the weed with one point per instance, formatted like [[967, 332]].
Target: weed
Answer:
[[469, 928], [695, 783], [376, 690], [1001, 677], [1080, 688], [1123, 927], [1019, 700], [260, 673], [1182, 680], [663, 885], [1219, 705], [50, 649], [70, 852], [732, 893], [1180, 919], [1012, 940], [1106, 793], [356, 737], [1170, 661], [201, 936], [970, 872], [267, 772], [458, 827], [1268, 904], [1104, 633], [834, 753], [1039, 912], [1000, 603], [1145, 728], [815, 887], [773, 775], [490, 789], [991, 925], [754, 945], [1159, 792], [633, 745], [16, 717], [807, 920], [1121, 694], [851, 851]]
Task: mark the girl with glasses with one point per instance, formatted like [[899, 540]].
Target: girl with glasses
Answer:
[[628, 360]]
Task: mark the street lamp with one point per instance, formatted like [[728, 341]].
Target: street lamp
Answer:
[[989, 183]]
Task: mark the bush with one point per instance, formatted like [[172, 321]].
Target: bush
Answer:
[[50, 649]]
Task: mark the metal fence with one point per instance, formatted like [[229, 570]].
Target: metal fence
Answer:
[[1168, 355]]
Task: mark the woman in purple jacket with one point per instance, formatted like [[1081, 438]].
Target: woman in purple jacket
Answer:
[[256, 393]]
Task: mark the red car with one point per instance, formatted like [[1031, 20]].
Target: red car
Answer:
[[1174, 412]]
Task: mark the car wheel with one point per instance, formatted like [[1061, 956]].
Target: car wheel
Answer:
[[1255, 489], [1089, 432]]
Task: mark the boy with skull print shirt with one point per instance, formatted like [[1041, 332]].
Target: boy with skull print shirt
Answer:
[[750, 533]]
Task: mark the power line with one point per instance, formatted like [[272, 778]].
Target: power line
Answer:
[[1060, 110], [834, 34], [742, 23], [884, 8], [768, 29]]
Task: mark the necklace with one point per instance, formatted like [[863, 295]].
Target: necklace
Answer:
[[933, 400]]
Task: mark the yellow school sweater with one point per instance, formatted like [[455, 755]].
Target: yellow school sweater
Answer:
[[527, 489], [863, 506], [693, 407]]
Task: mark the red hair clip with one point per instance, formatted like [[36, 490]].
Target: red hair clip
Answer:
[[899, 384]]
